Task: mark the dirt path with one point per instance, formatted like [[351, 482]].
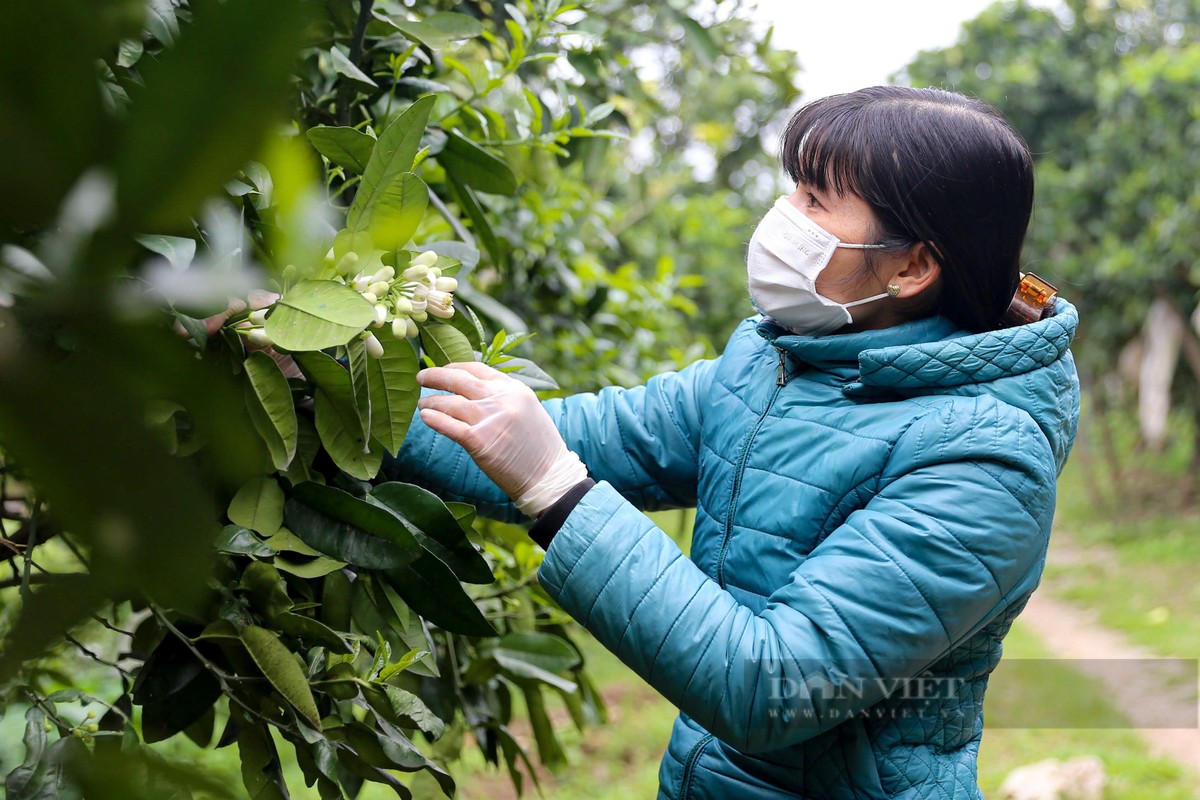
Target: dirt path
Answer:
[[1147, 691]]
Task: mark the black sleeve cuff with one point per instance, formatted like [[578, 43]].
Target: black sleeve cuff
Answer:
[[552, 519]]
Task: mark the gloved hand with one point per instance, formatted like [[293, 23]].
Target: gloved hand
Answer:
[[499, 421]]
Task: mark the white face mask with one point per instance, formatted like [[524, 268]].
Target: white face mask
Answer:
[[787, 253]]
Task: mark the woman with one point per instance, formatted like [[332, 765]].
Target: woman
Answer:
[[873, 463]]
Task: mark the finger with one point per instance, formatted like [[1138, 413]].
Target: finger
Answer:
[[446, 425], [479, 370], [458, 381], [455, 406], [261, 298]]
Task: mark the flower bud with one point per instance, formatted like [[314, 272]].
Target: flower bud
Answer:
[[346, 264], [426, 259], [400, 327], [445, 284], [420, 316], [259, 317], [259, 337], [381, 315], [413, 330], [373, 346], [385, 274], [361, 283], [370, 297], [403, 305], [416, 273], [380, 288]]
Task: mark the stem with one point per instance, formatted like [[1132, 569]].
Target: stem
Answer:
[[510, 590], [223, 679], [26, 581], [346, 92], [32, 543], [81, 647], [455, 223]]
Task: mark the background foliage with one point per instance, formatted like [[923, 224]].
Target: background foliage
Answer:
[[1105, 94], [203, 553]]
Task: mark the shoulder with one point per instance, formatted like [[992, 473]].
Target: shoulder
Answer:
[[982, 434]]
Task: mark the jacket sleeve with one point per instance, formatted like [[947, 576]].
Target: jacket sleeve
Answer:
[[955, 533], [643, 441]]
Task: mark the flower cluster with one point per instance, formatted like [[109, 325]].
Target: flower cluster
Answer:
[[400, 300]]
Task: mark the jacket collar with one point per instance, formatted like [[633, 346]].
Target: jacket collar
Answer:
[[931, 353]]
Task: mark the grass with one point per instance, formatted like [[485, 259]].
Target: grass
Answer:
[[1128, 545], [1133, 774]]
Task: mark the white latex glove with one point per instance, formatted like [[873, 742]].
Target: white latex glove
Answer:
[[499, 421]]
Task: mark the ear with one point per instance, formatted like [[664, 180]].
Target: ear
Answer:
[[919, 270]]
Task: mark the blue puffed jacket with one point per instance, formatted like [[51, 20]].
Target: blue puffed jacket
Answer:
[[873, 510]]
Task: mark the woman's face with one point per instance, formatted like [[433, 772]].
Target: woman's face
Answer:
[[850, 219]]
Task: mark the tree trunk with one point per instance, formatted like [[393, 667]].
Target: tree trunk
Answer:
[[1163, 336]]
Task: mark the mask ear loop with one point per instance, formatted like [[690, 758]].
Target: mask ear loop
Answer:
[[874, 297]]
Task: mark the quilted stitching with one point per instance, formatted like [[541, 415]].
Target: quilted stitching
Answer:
[[977, 358]]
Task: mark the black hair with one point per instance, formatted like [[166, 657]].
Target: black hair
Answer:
[[935, 167]]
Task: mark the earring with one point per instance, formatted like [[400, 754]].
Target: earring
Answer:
[[893, 289]]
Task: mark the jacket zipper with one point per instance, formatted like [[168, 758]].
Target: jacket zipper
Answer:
[[780, 382], [689, 766]]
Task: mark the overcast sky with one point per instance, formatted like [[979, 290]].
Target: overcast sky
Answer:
[[848, 44]]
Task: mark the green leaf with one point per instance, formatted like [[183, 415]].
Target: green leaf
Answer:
[[599, 113], [421, 32], [408, 705], [392, 381], [265, 589], [262, 772], [342, 540], [318, 567], [314, 315], [311, 633], [445, 344], [284, 541], [529, 374], [174, 689], [543, 650], [349, 148], [177, 250], [343, 66], [363, 515], [360, 390], [238, 541], [466, 323], [336, 595], [269, 400], [549, 750], [383, 182], [281, 669], [437, 529], [308, 444], [23, 781], [699, 38], [396, 213], [187, 107], [436, 595], [258, 505], [473, 166], [337, 421], [480, 223], [455, 26]]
